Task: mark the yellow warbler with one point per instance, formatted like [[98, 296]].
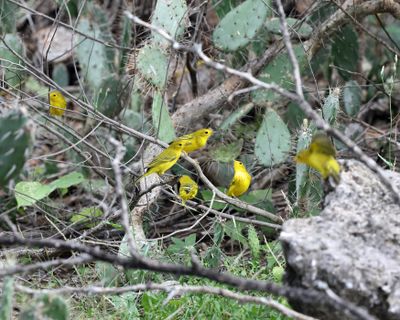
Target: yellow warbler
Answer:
[[320, 155], [195, 140], [164, 160], [187, 188], [58, 104], [241, 180]]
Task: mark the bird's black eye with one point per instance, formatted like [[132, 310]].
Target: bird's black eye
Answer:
[[206, 132]]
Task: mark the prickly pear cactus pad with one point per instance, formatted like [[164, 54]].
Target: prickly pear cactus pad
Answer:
[[169, 15], [273, 140], [241, 25], [15, 139]]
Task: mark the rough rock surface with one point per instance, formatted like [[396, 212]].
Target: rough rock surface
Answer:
[[353, 246]]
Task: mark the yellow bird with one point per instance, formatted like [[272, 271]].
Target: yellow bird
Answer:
[[241, 180], [321, 155], [195, 140], [165, 160], [58, 104], [187, 188]]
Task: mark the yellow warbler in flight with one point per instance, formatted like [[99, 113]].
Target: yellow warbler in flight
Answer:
[[165, 160], [241, 180], [188, 188], [57, 102], [321, 155], [195, 140]]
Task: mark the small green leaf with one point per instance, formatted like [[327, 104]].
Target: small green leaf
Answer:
[[234, 230], [67, 181], [27, 193]]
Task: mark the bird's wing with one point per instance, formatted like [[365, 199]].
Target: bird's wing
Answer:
[[323, 144], [163, 157]]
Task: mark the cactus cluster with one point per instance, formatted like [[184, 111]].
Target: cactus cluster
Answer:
[[331, 106], [273, 140], [15, 141], [241, 25]]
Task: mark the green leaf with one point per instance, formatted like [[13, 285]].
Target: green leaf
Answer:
[[273, 140], [162, 121], [27, 193], [234, 230], [86, 215], [261, 198], [352, 98], [207, 196], [67, 181], [345, 51], [212, 257]]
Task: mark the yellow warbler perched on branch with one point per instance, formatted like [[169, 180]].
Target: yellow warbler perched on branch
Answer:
[[187, 188], [165, 160], [241, 180], [320, 155], [57, 102], [196, 140]]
